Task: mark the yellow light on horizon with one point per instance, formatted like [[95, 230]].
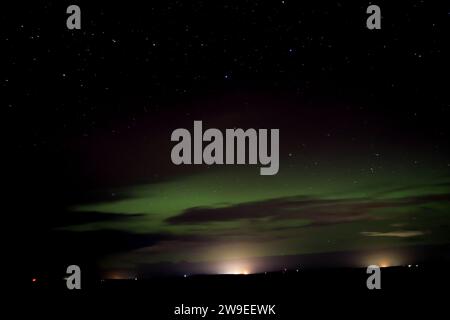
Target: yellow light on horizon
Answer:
[[384, 260], [238, 272], [235, 268]]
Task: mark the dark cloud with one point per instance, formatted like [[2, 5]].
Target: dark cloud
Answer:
[[68, 247], [92, 244], [319, 211], [85, 217]]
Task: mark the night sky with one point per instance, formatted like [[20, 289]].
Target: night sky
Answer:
[[363, 116]]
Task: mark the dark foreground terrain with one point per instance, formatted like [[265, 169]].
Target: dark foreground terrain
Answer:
[[414, 290]]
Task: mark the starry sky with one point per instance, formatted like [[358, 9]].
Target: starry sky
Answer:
[[363, 118]]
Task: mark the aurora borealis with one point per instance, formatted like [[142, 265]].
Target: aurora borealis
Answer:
[[377, 196], [364, 161], [233, 214]]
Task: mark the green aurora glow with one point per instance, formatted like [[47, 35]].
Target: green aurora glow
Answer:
[[148, 209]]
